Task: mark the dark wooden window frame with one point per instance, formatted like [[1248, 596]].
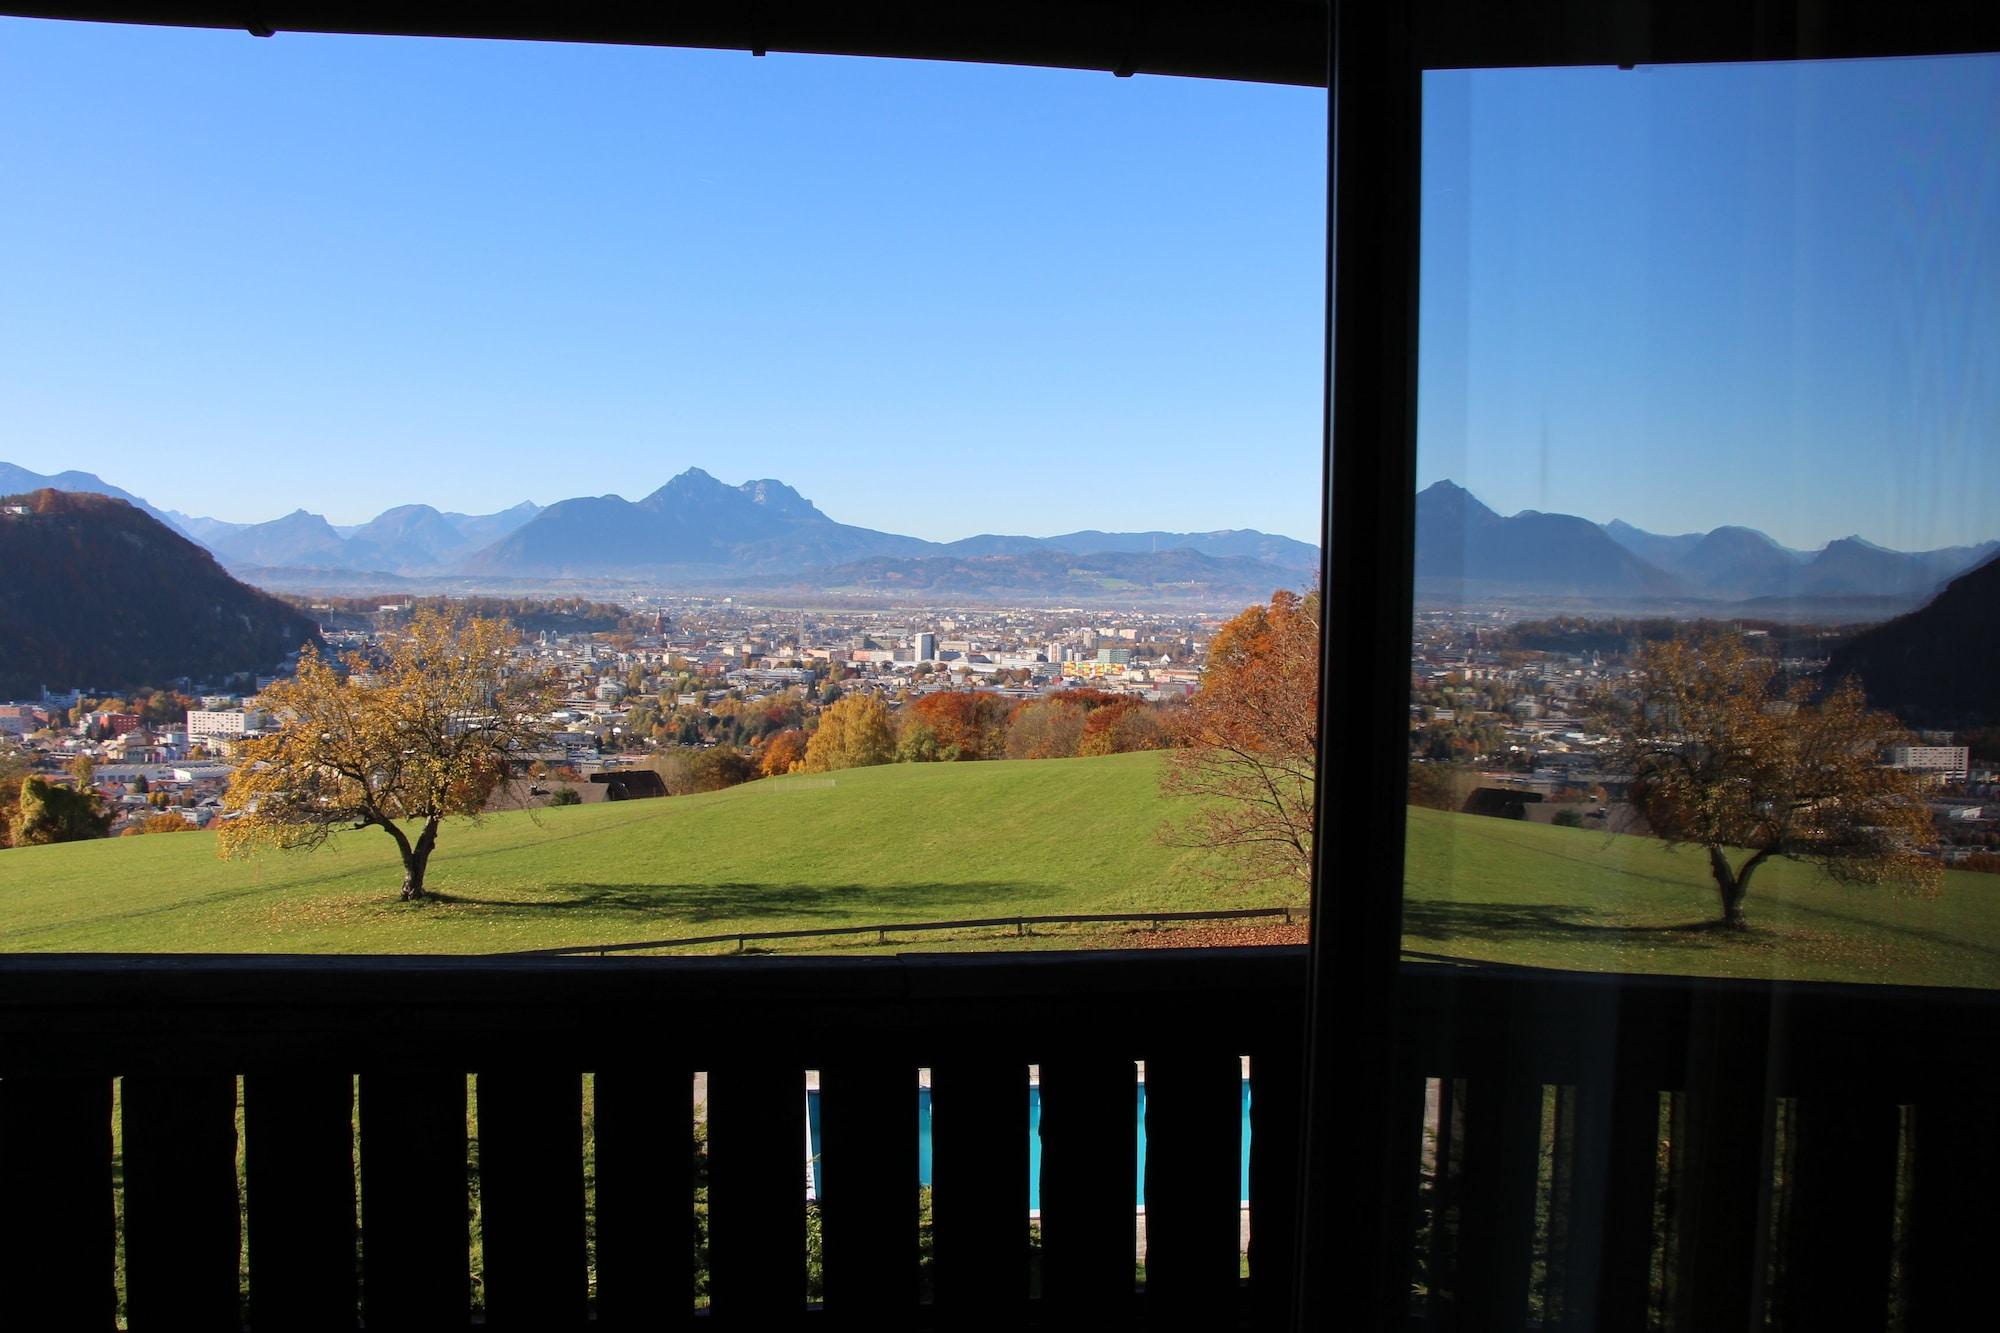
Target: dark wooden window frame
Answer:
[[1372, 55]]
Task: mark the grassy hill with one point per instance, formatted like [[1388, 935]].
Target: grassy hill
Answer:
[[924, 842], [908, 842], [1503, 891]]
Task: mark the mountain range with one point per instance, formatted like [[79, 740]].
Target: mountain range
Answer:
[[701, 533], [1467, 552]]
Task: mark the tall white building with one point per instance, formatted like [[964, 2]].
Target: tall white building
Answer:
[[926, 645]]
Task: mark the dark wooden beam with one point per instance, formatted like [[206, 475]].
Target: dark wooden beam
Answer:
[[1258, 41], [1263, 41]]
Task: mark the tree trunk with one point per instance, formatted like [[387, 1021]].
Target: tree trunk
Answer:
[[1731, 886], [416, 859]]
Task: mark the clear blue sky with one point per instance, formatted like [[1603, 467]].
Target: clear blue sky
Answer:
[[239, 276], [242, 276], [1766, 295]]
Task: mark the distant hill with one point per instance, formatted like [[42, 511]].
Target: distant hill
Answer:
[[99, 594], [299, 539], [478, 530], [1652, 546], [692, 521], [1739, 562], [1464, 547], [203, 530], [1854, 567], [19, 481], [1742, 563], [1247, 543], [408, 539], [1938, 666], [417, 539]]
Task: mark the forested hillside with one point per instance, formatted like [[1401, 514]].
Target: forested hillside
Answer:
[[98, 594]]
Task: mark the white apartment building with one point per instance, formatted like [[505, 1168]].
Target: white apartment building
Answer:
[[218, 725], [1951, 762]]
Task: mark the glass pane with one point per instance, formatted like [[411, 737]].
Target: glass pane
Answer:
[[1709, 495], [819, 426]]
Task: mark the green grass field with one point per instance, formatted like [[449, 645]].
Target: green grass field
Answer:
[[901, 843], [940, 841], [1502, 891]]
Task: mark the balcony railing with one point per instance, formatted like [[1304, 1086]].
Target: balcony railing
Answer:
[[1581, 1151]]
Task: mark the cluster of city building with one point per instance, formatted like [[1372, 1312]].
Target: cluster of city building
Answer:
[[1525, 728], [678, 658], [1522, 722]]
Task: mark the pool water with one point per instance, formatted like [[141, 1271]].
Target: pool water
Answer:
[[1034, 1125]]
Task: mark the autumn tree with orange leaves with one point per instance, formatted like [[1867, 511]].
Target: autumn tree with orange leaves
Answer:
[[961, 724], [397, 741], [782, 753], [1246, 742]]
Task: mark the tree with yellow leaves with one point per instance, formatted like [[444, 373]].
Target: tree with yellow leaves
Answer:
[[398, 739], [1727, 757], [854, 733]]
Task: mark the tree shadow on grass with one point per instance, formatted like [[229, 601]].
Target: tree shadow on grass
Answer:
[[1551, 923], [696, 903], [1443, 924]]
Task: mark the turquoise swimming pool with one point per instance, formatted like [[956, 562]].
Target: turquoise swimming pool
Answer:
[[1033, 1127]]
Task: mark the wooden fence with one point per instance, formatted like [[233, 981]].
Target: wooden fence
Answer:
[[882, 930], [1582, 1152]]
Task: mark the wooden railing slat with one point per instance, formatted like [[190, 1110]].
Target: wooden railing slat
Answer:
[[1194, 1146], [1089, 1188], [182, 1245], [531, 1198], [645, 1197], [868, 1224], [1954, 1225], [1439, 1241], [299, 1189], [1503, 1117], [1609, 1233], [756, 1193], [1408, 1093], [58, 1237], [1277, 1089], [1842, 1178], [415, 1263], [979, 1190], [1723, 1168]]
